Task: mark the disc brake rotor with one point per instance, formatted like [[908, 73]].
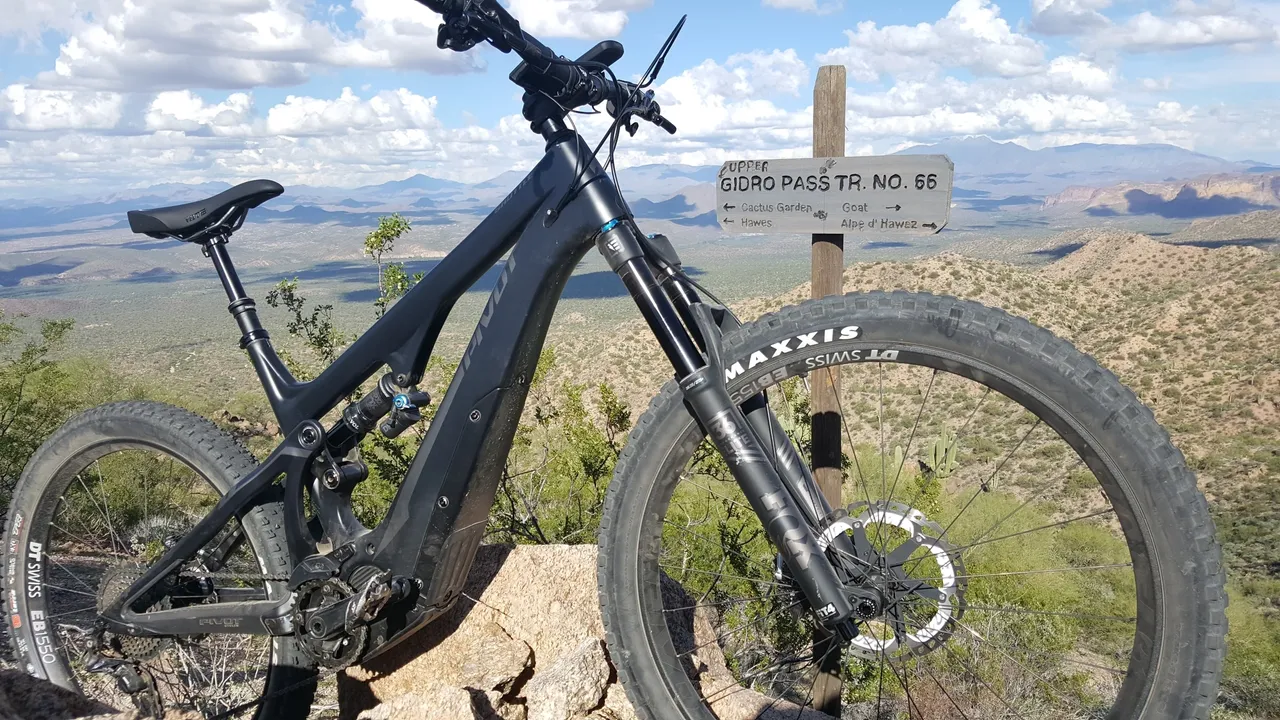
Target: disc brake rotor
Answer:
[[904, 558]]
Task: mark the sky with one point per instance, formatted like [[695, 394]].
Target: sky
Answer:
[[107, 94]]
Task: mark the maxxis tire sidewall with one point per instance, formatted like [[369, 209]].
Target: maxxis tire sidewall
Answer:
[[1172, 515]]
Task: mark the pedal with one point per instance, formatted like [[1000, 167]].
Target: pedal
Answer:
[[376, 593]]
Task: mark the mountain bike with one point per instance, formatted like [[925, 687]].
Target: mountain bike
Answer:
[[1032, 547]]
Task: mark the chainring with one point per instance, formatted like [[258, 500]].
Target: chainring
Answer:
[[337, 653]]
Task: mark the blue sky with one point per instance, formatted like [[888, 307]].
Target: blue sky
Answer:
[[103, 94]]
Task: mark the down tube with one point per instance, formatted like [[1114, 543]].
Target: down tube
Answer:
[[440, 514]]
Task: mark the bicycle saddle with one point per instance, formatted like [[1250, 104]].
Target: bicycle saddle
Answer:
[[184, 221]]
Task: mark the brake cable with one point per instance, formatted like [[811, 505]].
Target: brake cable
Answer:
[[647, 79]]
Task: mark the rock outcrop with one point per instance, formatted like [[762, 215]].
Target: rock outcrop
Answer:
[[526, 642]]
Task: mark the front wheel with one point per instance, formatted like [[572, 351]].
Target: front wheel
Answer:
[[1038, 546]]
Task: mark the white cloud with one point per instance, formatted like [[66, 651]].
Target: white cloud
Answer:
[[401, 35], [1192, 25], [586, 19], [972, 36], [809, 6], [1068, 17], [127, 45], [1079, 74], [389, 110], [185, 111], [26, 108]]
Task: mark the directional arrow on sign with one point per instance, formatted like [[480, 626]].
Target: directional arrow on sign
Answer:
[[894, 208], [727, 220], [931, 226], [727, 206]]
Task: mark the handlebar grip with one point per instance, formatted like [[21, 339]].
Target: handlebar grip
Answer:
[[665, 124]]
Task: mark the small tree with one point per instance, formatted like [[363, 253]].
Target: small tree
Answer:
[[315, 329], [392, 280], [28, 412]]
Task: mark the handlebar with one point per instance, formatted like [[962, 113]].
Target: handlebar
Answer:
[[569, 84]]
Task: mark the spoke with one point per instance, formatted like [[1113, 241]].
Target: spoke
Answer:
[[1001, 650], [731, 601], [87, 608], [720, 638], [984, 486], [742, 684], [911, 438], [707, 542], [106, 504], [906, 687], [51, 586], [853, 448], [94, 500], [72, 575], [884, 482], [944, 691], [1021, 611], [978, 677], [959, 434], [719, 574], [1112, 566], [726, 498], [1039, 494], [880, 684], [1050, 526]]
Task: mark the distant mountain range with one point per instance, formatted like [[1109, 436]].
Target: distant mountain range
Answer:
[[990, 176], [1208, 196]]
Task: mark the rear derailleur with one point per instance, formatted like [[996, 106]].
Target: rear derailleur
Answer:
[[131, 678]]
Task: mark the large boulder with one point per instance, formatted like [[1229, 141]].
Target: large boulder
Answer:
[[526, 642]]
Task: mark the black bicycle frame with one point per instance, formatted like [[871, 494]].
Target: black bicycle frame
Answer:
[[438, 517]]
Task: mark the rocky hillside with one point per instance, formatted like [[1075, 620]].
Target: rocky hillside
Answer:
[[1194, 331], [1209, 195]]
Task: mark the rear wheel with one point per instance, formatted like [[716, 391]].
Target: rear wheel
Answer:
[[1038, 547], [97, 504]]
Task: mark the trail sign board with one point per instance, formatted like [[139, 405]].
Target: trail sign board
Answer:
[[882, 195]]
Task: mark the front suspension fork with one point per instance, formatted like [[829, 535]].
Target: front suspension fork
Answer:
[[708, 399]]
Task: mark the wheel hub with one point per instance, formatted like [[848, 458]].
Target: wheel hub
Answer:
[[903, 560]]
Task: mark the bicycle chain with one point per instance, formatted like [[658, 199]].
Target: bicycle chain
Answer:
[[321, 673], [238, 576]]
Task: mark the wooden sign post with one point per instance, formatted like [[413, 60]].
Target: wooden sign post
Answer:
[[830, 196], [828, 279]]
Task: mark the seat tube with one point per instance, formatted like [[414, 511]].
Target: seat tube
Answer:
[[708, 398]]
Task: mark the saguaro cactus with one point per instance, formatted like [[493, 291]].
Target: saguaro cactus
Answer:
[[940, 460]]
